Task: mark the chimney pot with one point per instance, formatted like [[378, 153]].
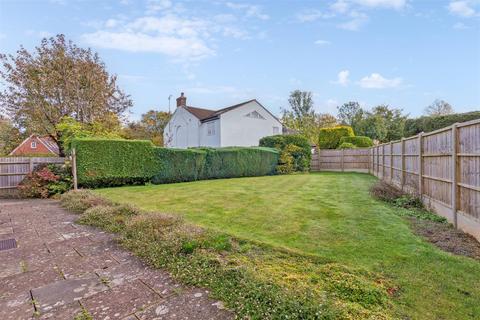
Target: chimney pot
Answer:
[[182, 100]]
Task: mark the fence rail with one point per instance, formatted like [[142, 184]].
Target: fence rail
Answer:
[[442, 167], [14, 169]]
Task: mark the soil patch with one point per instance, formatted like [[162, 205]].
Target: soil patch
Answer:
[[447, 238]]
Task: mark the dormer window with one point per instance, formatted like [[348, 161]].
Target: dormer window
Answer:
[[254, 115], [33, 145]]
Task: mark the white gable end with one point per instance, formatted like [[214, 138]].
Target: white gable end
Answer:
[[247, 124]]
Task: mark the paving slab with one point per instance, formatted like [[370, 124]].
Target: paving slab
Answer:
[[121, 301], [60, 267], [60, 293], [193, 305]]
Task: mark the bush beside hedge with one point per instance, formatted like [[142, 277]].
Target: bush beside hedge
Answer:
[[329, 138], [358, 141], [280, 142], [104, 163]]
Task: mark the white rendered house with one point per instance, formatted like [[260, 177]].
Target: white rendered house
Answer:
[[243, 124]]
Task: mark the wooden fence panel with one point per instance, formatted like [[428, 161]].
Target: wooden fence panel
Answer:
[[14, 169], [441, 167]]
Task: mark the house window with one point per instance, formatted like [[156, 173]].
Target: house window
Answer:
[[211, 128], [33, 145], [276, 130], [254, 115]]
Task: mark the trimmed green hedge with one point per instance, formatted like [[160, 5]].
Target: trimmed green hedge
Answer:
[[347, 145], [329, 138], [431, 123], [109, 162], [105, 163], [281, 141], [358, 141], [179, 165]]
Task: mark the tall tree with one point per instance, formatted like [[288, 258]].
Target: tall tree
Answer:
[[383, 123], [350, 113], [58, 80], [301, 114], [438, 108], [150, 127]]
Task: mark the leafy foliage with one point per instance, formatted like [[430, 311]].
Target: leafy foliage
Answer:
[[104, 162], [59, 79], [286, 162], [346, 145], [110, 162], [301, 159], [10, 136], [150, 127], [70, 129], [358, 141], [45, 181], [302, 118], [431, 123], [179, 165], [329, 138]]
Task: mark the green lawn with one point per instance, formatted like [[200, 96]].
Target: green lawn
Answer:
[[330, 215]]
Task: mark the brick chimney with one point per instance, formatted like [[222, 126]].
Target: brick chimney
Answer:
[[181, 101]]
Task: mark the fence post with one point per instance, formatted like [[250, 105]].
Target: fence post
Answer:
[[402, 154], [383, 161], [343, 156], [318, 158], [31, 165], [454, 173], [391, 162], [420, 165], [74, 169]]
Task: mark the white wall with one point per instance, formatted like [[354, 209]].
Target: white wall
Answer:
[[239, 130], [182, 130], [212, 140]]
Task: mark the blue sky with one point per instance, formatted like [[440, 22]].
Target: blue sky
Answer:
[[404, 53]]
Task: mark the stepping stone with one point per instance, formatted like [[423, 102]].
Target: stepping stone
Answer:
[[64, 292], [18, 307]]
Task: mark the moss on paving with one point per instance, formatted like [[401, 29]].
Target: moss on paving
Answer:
[[330, 217]]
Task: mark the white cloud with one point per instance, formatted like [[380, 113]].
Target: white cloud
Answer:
[[312, 15], [158, 5], [395, 4], [322, 42], [377, 81], [461, 8], [38, 34], [180, 48], [358, 19], [342, 78], [251, 11], [180, 37], [340, 6]]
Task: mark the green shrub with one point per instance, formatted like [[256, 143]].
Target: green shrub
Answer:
[[45, 181], [103, 163], [329, 138], [347, 145], [114, 162], [288, 159], [302, 159], [358, 141], [431, 123], [178, 165], [240, 162]]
